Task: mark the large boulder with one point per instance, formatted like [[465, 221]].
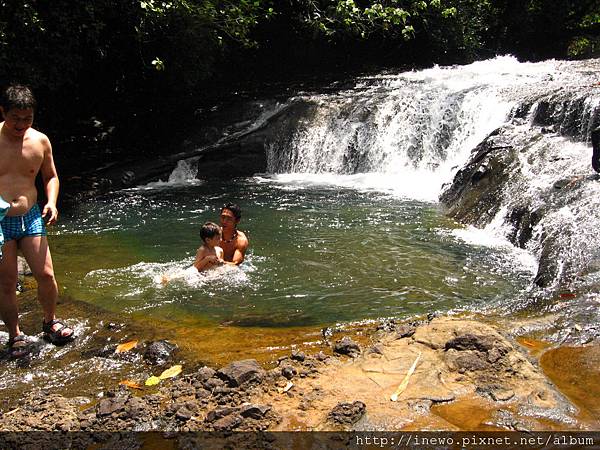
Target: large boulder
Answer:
[[239, 373]]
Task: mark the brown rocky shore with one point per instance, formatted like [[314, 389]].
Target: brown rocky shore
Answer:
[[466, 376]]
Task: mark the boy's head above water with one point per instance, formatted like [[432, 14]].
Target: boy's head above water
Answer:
[[210, 233]]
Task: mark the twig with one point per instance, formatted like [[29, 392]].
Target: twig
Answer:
[[406, 379]]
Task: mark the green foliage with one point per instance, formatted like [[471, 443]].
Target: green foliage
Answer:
[[144, 58], [52, 44], [587, 41]]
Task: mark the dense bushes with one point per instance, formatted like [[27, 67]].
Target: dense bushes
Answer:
[[134, 63]]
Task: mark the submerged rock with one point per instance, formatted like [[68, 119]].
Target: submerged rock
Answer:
[[159, 352]]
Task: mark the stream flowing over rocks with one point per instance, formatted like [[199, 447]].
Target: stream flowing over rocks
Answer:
[[503, 145]]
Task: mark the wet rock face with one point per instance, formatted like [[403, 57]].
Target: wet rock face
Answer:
[[526, 179], [475, 195], [159, 353]]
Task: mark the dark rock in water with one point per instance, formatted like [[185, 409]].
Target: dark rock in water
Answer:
[[525, 177], [346, 346], [298, 356], [288, 372], [347, 413], [240, 372], [159, 352], [254, 411], [101, 352]]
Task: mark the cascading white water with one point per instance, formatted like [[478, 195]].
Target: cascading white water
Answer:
[[405, 133], [185, 170]]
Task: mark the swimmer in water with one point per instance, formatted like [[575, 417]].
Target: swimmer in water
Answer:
[[209, 254]]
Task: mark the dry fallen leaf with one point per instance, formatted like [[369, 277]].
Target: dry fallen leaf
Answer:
[[528, 343], [126, 346], [404, 383], [130, 384], [170, 372], [152, 381]]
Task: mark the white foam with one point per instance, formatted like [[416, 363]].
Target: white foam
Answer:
[[184, 174], [489, 237], [413, 186]]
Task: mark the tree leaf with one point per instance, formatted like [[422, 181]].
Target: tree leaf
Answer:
[[126, 346], [130, 384], [171, 372], [152, 381]]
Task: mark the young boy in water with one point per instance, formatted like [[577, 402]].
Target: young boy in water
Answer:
[[209, 254]]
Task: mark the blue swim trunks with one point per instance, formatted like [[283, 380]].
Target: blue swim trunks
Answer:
[[4, 207], [30, 224]]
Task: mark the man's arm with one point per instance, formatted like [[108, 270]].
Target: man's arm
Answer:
[[51, 183], [240, 251]]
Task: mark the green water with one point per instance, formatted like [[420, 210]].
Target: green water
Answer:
[[318, 255]]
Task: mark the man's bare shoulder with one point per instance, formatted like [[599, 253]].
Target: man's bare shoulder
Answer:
[[242, 239], [37, 136]]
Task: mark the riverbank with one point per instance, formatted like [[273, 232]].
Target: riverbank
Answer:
[[468, 376]]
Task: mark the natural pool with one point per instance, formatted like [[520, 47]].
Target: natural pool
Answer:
[[320, 254]]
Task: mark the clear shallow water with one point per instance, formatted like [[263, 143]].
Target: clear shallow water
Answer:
[[321, 252]]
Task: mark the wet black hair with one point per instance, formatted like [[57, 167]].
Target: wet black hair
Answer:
[[235, 209], [209, 230], [17, 96]]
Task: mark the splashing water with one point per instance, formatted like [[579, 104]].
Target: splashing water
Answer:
[[407, 133]]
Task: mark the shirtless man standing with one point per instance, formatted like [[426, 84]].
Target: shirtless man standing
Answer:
[[25, 152], [233, 242]]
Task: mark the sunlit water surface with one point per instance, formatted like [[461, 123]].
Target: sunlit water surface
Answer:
[[321, 252]]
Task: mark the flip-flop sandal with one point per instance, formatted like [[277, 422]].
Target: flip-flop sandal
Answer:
[[19, 346], [55, 336]]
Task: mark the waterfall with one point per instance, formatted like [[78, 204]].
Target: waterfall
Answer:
[[505, 144], [412, 130]]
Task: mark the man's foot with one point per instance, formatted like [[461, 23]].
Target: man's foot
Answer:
[[57, 333], [19, 346]]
